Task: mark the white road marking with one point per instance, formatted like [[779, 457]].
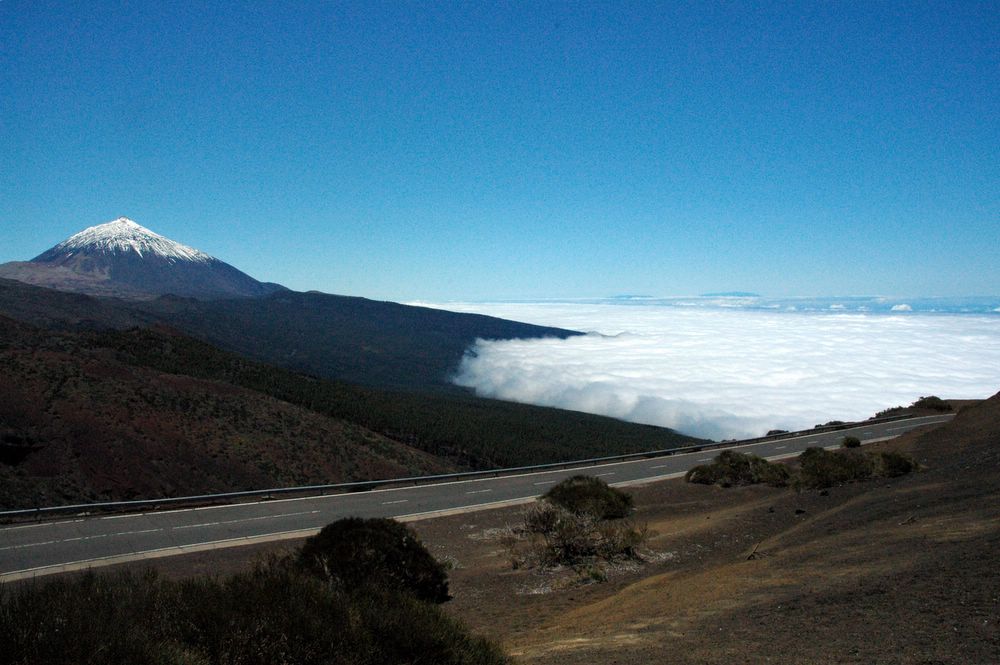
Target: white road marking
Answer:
[[704, 459], [243, 519], [138, 531], [478, 491], [609, 473], [780, 447], [35, 526], [19, 547], [78, 538], [392, 503], [546, 482], [122, 517], [659, 466]]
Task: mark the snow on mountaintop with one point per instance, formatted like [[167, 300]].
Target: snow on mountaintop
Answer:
[[124, 235]]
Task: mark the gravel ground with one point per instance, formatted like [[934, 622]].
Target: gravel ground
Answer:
[[888, 571]]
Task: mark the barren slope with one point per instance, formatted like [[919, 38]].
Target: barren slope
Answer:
[[887, 571], [891, 571]]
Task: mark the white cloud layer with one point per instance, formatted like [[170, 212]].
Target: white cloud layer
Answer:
[[725, 373]]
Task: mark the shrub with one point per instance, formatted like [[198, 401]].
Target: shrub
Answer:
[[824, 468], [933, 403], [820, 468], [276, 613], [354, 552], [586, 495], [850, 442], [541, 517], [891, 464], [734, 468], [553, 535], [894, 411]]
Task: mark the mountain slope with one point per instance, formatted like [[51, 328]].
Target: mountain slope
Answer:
[[150, 412], [79, 421], [379, 344], [123, 259], [463, 429]]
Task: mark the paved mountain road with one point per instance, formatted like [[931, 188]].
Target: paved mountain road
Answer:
[[29, 550]]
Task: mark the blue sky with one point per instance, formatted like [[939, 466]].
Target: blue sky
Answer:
[[517, 150]]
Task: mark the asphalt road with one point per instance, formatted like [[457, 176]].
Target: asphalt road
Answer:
[[30, 550]]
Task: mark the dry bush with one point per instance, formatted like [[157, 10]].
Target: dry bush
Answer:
[[553, 536], [932, 402], [734, 468], [356, 552], [819, 468], [587, 495]]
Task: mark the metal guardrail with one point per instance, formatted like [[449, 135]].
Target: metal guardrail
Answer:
[[364, 485]]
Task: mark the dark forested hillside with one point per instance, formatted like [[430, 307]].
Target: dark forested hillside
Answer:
[[467, 430], [151, 412], [79, 422], [378, 344], [369, 342]]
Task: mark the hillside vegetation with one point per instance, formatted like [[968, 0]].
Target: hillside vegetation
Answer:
[[466, 430], [147, 413], [361, 341], [278, 612], [79, 422]]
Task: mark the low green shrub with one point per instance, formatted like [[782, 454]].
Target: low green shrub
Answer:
[[587, 495], [735, 468], [850, 442], [355, 552]]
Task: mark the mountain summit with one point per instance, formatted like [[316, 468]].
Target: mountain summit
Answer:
[[121, 236], [123, 259]]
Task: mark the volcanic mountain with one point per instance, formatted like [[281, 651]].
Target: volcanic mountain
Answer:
[[126, 260]]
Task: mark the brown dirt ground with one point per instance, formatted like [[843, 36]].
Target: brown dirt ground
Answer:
[[888, 571]]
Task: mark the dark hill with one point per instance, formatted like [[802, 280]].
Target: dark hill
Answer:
[[151, 412], [80, 421], [379, 344], [466, 430]]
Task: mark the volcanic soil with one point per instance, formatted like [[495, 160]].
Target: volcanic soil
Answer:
[[900, 570]]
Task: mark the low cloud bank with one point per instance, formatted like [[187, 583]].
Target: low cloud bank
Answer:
[[732, 373]]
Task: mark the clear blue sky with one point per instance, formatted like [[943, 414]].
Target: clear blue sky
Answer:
[[501, 150]]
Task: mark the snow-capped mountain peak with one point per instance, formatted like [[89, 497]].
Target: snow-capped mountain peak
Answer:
[[122, 236], [125, 260]]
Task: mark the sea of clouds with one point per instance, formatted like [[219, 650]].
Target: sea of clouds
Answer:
[[720, 369]]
